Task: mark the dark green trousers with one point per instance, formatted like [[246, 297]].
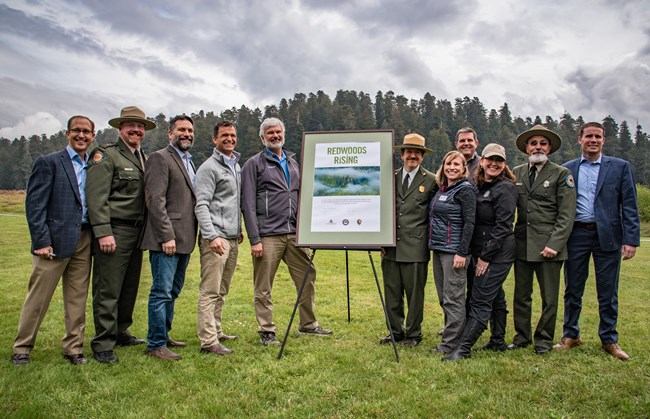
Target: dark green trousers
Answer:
[[405, 279], [116, 278], [548, 278]]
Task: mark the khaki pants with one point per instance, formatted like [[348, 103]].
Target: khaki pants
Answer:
[[44, 279], [216, 275], [277, 248]]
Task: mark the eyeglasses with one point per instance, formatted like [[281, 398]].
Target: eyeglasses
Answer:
[[77, 131]]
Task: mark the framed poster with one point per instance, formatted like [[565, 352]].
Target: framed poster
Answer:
[[347, 193]]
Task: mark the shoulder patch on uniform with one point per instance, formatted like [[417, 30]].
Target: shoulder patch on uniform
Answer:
[[570, 182], [96, 157]]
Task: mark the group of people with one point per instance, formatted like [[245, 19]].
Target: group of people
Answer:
[[478, 218], [98, 211]]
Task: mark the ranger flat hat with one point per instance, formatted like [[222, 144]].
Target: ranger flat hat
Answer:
[[415, 141], [132, 113], [555, 139]]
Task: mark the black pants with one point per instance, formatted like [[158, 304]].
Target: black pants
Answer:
[[487, 292]]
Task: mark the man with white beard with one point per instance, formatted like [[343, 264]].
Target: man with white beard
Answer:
[[546, 208], [269, 188]]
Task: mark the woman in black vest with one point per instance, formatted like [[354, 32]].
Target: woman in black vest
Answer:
[[493, 252], [451, 223]]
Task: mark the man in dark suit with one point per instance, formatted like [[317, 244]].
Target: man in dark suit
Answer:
[[58, 224], [170, 232], [606, 227], [405, 267], [546, 208], [116, 210]]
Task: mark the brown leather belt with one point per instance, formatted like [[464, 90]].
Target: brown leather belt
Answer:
[[585, 226]]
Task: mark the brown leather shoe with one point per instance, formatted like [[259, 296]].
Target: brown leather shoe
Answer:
[[567, 343], [217, 349], [222, 336], [614, 350], [164, 354], [171, 343]]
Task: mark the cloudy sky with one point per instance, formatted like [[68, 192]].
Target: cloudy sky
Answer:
[[59, 58]]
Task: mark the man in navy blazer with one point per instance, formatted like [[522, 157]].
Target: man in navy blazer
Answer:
[[606, 226], [58, 224]]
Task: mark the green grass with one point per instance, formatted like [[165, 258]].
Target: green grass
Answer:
[[346, 375]]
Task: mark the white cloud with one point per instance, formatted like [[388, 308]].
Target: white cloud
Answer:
[[542, 58], [39, 123]]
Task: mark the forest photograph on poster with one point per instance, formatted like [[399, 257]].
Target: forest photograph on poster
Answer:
[[342, 181]]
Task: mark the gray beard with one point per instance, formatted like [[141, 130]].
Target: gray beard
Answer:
[[537, 158]]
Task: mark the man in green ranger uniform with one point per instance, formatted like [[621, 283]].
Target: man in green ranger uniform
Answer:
[[546, 208], [116, 209]]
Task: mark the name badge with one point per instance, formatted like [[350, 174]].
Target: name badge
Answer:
[[442, 198], [128, 169]]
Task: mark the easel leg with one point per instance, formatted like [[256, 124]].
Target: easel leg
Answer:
[[347, 281], [295, 307], [383, 305]]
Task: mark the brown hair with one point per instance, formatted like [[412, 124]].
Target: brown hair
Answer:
[[590, 125], [220, 124], [441, 178], [71, 120], [506, 174]]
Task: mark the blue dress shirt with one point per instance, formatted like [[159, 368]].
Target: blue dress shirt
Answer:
[[587, 180], [79, 167]]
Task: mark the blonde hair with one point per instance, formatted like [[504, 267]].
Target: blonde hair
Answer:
[[441, 178]]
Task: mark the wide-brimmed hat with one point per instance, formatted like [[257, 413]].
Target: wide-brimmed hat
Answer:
[[415, 141], [494, 149], [132, 113], [555, 139]]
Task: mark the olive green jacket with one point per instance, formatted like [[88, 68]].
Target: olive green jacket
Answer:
[[412, 218], [114, 187], [545, 211]]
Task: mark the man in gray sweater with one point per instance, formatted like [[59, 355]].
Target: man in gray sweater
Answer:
[[217, 188]]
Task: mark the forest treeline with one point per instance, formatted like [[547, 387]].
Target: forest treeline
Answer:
[[436, 119]]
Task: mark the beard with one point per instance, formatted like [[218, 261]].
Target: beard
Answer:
[[274, 146], [182, 143], [537, 158]]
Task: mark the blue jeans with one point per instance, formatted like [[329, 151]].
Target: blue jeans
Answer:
[[168, 276]]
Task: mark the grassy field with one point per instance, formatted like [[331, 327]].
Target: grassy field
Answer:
[[346, 375]]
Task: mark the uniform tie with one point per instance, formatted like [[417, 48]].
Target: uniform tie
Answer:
[[405, 184], [138, 156], [531, 175]]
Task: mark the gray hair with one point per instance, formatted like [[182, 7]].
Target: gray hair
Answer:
[[268, 123], [467, 129]]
